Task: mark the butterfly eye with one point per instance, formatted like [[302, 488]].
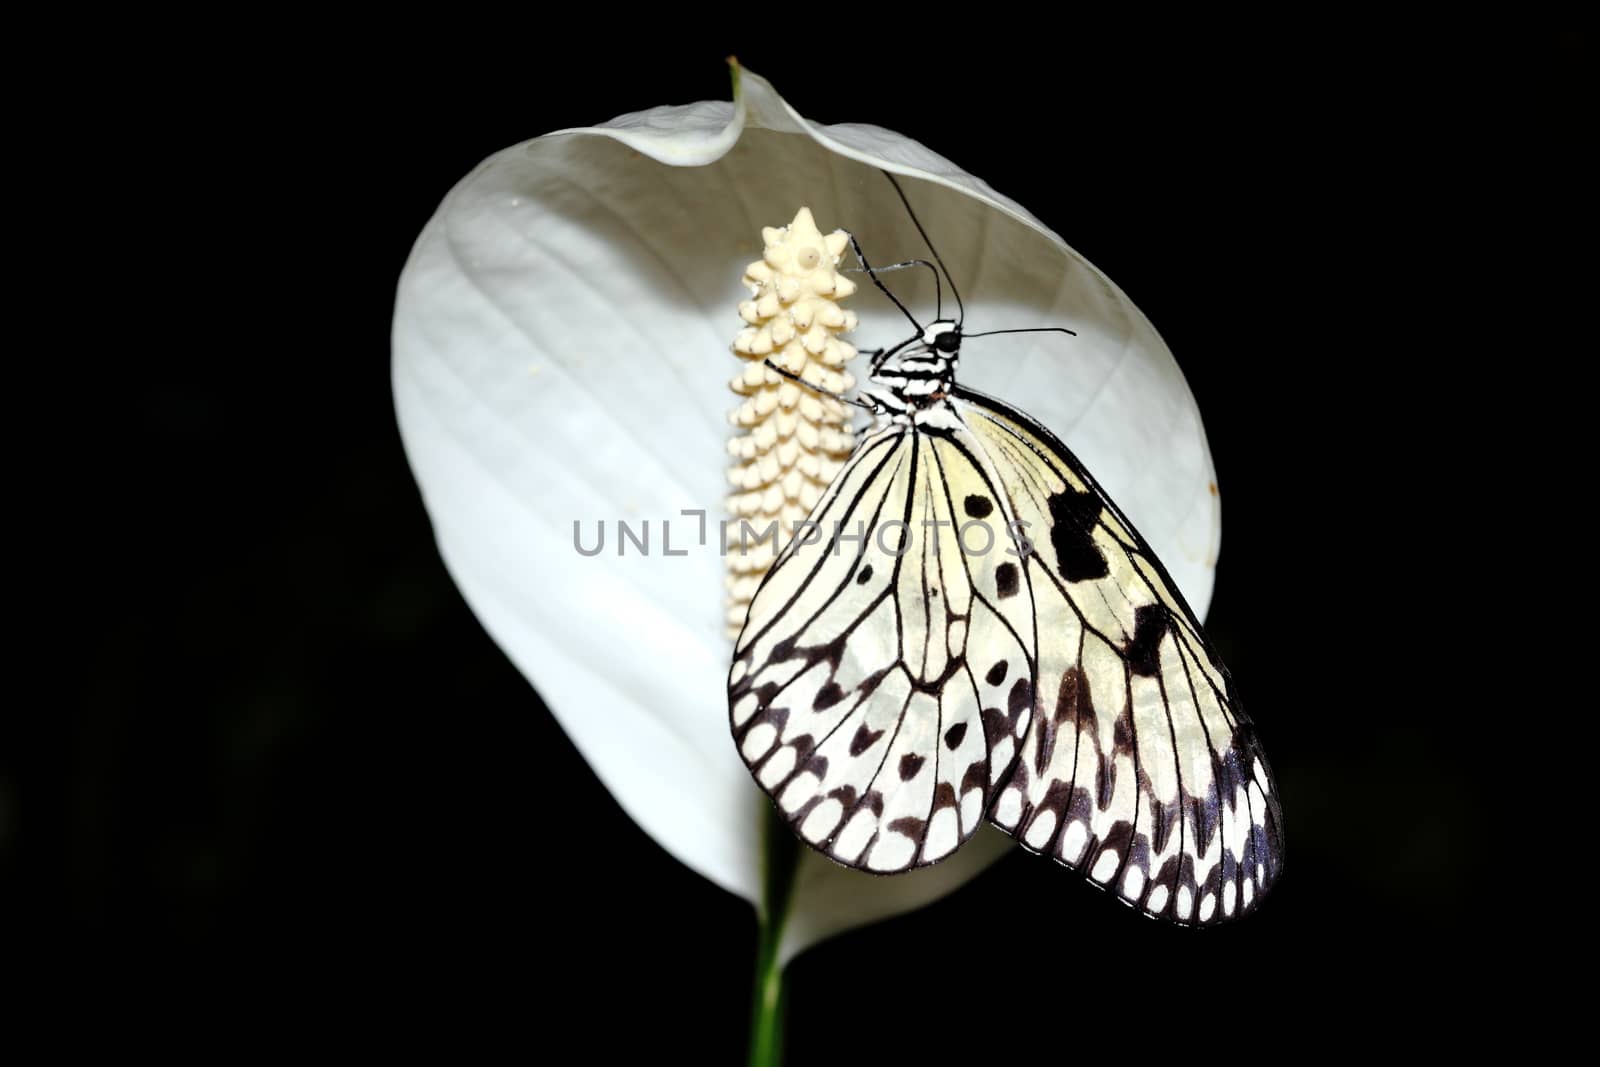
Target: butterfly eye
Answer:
[[947, 342]]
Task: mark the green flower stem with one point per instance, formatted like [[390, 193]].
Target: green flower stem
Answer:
[[780, 860]]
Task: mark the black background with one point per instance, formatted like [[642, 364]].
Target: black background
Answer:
[[289, 754]]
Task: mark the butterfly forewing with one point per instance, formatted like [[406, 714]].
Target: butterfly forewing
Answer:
[[1140, 768], [882, 687]]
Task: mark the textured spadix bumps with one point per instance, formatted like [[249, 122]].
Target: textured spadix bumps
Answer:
[[790, 442]]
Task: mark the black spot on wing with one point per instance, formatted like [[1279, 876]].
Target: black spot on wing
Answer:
[[865, 574], [1144, 648], [995, 726], [1080, 808], [863, 740], [1072, 699], [997, 673], [1005, 577], [1119, 838], [1054, 800], [913, 828], [979, 507], [1122, 734], [1168, 876], [828, 696], [1205, 813], [1072, 521], [803, 746], [910, 764], [1163, 822], [1020, 698], [954, 736], [1044, 744]]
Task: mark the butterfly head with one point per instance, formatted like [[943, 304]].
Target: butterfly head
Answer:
[[943, 336], [922, 369]]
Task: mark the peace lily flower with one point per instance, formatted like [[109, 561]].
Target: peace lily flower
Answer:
[[561, 359]]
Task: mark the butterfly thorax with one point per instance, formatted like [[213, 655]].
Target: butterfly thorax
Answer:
[[921, 371]]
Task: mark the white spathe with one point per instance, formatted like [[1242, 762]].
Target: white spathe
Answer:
[[561, 354]]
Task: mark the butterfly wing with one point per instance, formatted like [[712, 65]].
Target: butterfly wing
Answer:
[[1140, 767], [881, 688]]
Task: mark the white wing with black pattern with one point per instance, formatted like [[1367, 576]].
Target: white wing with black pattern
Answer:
[[1140, 768], [897, 679], [883, 683]]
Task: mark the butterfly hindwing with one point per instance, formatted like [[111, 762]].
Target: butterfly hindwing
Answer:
[[1140, 769], [875, 691]]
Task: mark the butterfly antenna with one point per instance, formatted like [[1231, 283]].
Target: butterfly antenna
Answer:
[[879, 283], [1031, 329], [961, 311]]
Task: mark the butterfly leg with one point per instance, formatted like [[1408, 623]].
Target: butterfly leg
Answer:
[[865, 403], [864, 269], [873, 274]]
